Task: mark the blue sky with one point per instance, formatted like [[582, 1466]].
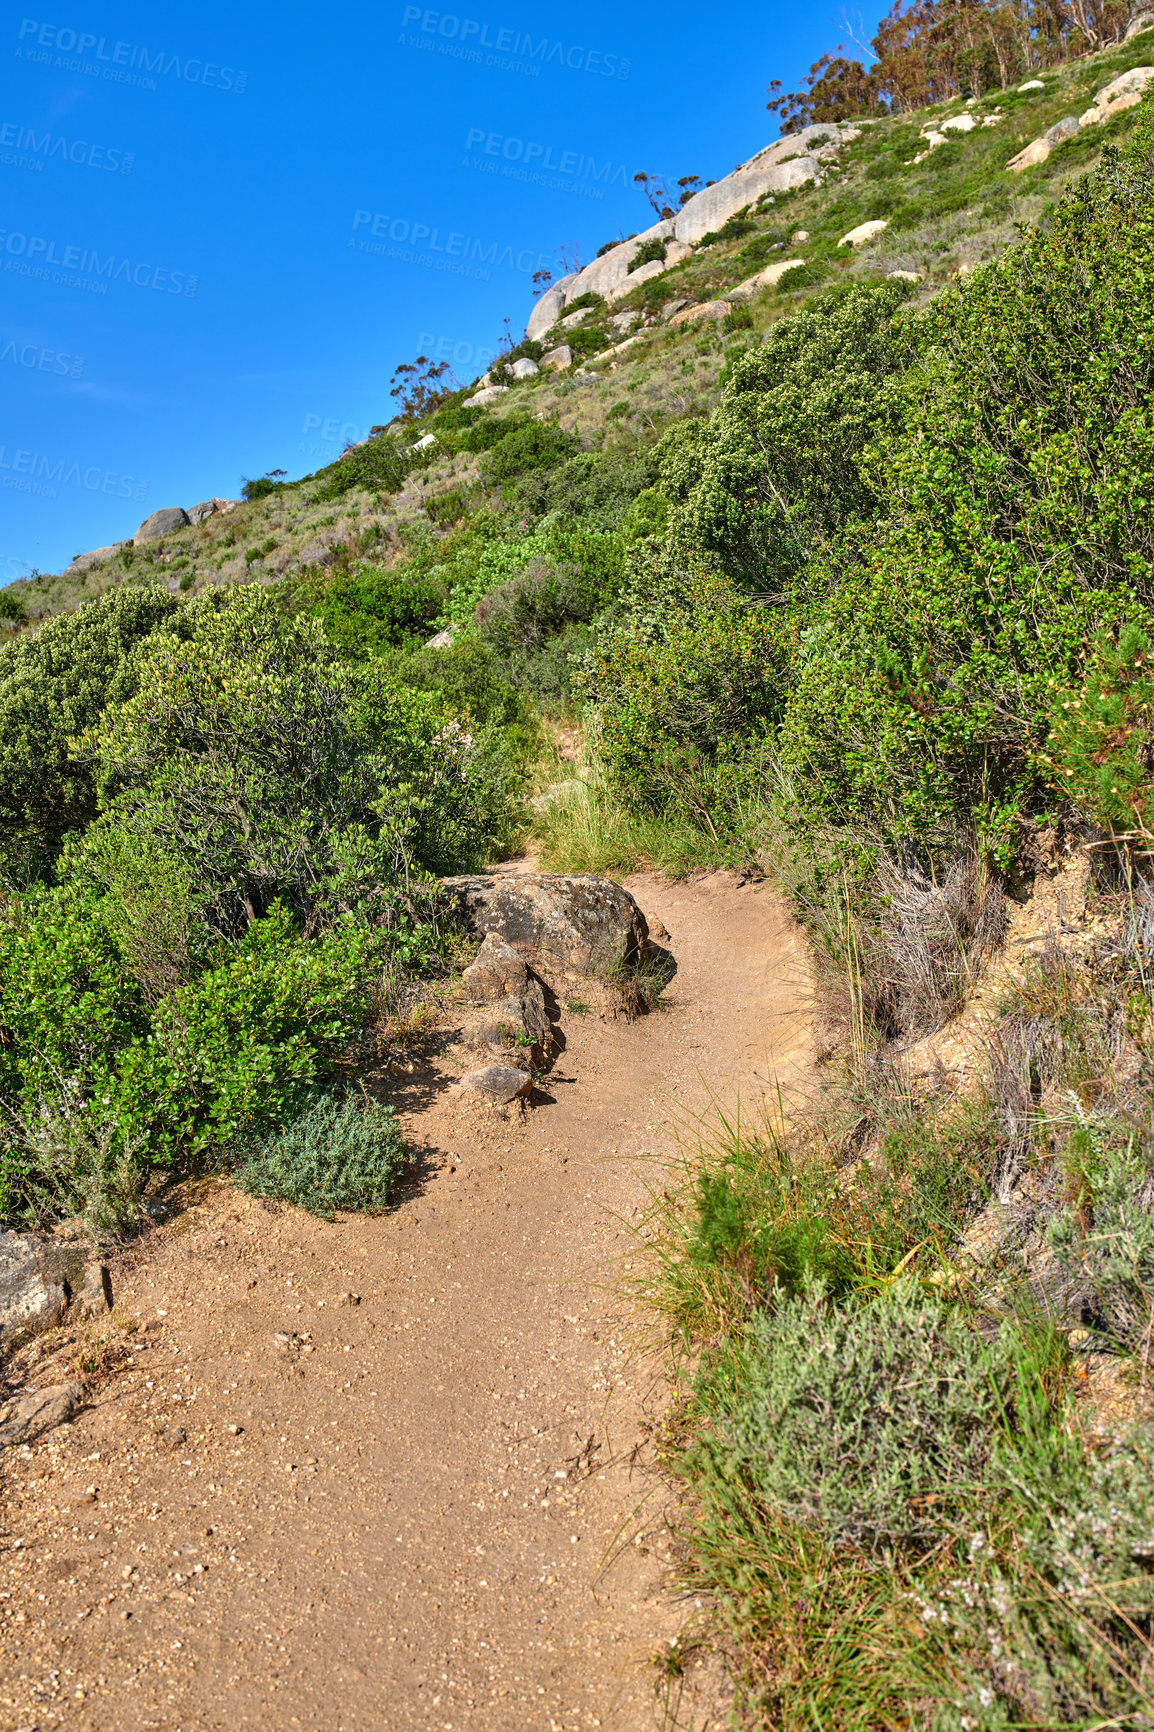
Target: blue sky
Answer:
[[222, 229]]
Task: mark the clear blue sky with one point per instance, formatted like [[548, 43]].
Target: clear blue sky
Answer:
[[222, 227]]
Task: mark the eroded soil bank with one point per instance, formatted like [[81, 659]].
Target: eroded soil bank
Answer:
[[428, 1504]]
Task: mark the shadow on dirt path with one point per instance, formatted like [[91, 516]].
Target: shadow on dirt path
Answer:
[[427, 1505]]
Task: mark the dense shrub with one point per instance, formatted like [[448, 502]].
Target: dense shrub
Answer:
[[365, 610], [1010, 526], [379, 465], [52, 686], [531, 445], [776, 468], [340, 1152]]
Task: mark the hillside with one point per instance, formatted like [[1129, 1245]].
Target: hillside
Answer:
[[803, 578], [632, 372]]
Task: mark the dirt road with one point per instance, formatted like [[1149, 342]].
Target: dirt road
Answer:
[[426, 1506]]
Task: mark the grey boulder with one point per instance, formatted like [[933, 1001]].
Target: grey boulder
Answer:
[[525, 368], [565, 926], [85, 561], [1061, 129], [558, 359], [162, 522], [497, 1083], [548, 309], [28, 1416]]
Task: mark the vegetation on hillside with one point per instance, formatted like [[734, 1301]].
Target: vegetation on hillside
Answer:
[[857, 592]]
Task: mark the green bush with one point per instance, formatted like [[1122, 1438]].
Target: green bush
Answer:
[[776, 468], [649, 252], [53, 686], [366, 609], [379, 465], [340, 1152], [531, 445]]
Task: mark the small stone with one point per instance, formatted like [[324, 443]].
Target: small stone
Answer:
[[174, 1436], [498, 1083], [29, 1416], [349, 1299], [235, 1430]]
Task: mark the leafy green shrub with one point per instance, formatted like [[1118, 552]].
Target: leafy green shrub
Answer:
[[740, 319], [597, 302], [340, 1152], [364, 610], [519, 615], [777, 466], [1008, 530], [531, 445], [379, 465], [649, 252], [12, 609], [262, 486], [52, 687], [1101, 736]]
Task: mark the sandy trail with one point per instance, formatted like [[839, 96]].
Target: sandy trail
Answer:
[[423, 1518]]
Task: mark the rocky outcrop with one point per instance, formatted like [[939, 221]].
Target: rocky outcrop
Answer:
[[864, 233], [701, 314], [28, 1416], [40, 1277], [766, 279], [788, 162], [162, 522], [488, 395], [612, 268], [99, 556], [549, 308], [210, 507], [1121, 93], [558, 359], [566, 927]]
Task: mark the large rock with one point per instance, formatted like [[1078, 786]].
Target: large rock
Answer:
[[1033, 154], [566, 927], [1123, 91], [40, 1277], [786, 163], [523, 368], [549, 308], [28, 1416], [701, 314], [864, 233], [162, 522], [488, 395], [643, 274], [85, 561], [1062, 129], [210, 507], [612, 267], [766, 279], [558, 359]]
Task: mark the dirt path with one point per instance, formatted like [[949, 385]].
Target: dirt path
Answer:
[[407, 1511]]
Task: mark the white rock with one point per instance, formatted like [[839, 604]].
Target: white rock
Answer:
[[524, 368], [695, 315], [1142, 22], [613, 266], [800, 238], [85, 561], [421, 444], [1031, 156], [1131, 83], [545, 313], [488, 395], [643, 274], [1032, 84], [443, 639], [558, 359], [958, 123], [766, 279], [711, 208], [864, 233], [572, 319], [904, 276], [623, 322]]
